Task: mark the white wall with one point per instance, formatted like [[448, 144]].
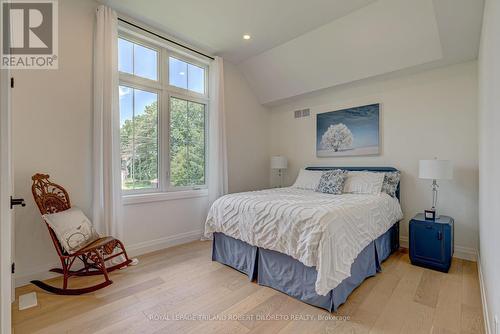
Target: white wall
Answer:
[[489, 160], [247, 125], [52, 120], [425, 115]]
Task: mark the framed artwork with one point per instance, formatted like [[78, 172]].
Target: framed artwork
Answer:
[[348, 132]]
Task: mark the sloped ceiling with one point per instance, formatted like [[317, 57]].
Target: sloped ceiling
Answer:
[[301, 46], [217, 26], [383, 37]]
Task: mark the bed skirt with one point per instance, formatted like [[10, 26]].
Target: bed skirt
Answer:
[[288, 275]]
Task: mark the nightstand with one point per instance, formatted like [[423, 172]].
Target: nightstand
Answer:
[[431, 242]]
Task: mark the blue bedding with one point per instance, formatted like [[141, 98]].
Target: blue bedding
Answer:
[[283, 273]]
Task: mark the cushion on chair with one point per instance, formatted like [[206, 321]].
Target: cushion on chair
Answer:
[[72, 228]]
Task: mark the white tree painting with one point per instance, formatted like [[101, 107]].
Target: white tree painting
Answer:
[[348, 132], [337, 137]]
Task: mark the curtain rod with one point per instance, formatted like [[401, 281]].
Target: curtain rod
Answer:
[[166, 39]]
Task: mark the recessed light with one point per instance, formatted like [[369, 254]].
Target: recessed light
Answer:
[[247, 37], [182, 73]]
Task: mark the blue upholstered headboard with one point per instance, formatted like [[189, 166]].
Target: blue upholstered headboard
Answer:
[[371, 169]]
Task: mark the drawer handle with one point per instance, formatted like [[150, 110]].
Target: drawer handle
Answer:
[[440, 235], [429, 227]]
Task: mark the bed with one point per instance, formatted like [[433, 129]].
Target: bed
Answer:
[[312, 246]]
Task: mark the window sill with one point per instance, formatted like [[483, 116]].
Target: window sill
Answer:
[[165, 196]]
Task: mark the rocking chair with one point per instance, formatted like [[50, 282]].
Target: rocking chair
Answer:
[[52, 198]]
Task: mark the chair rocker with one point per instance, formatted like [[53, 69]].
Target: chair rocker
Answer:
[[52, 198]]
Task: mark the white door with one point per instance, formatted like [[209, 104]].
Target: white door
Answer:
[[6, 219], [7, 203]]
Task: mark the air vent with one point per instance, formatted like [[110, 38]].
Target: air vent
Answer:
[[302, 113]]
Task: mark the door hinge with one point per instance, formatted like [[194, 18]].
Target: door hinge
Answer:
[[13, 269], [12, 82]]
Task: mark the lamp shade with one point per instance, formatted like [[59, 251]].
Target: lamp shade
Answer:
[[279, 162], [435, 169]]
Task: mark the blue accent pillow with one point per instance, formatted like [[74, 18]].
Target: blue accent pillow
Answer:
[[391, 181], [332, 182]]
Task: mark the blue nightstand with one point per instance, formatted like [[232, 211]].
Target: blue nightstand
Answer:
[[431, 242]]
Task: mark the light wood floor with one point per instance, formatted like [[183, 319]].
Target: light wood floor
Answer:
[[167, 287]]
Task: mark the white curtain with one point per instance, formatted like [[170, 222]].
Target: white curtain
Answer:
[[106, 130], [217, 152]]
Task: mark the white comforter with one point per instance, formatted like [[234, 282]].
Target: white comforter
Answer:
[[321, 230]]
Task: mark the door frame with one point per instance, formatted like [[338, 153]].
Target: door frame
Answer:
[[5, 211], [6, 189]]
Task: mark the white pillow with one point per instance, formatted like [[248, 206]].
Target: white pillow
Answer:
[[308, 179], [72, 228], [364, 182]]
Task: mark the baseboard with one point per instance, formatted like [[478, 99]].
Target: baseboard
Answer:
[[461, 252], [36, 273], [484, 301], [162, 243], [43, 273]]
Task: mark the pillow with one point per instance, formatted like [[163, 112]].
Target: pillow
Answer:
[[332, 182], [391, 181], [72, 228], [364, 182], [307, 179]]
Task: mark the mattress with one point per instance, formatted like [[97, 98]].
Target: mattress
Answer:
[[320, 230]]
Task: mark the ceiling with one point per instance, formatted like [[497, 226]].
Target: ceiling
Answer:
[[302, 46], [217, 26]]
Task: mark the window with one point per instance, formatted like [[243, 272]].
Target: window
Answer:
[[138, 138], [163, 114], [186, 75], [137, 60], [187, 143]]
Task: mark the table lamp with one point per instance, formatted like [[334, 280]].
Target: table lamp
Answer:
[[435, 170], [280, 163]]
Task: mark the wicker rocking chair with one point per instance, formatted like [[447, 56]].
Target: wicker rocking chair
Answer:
[[52, 198]]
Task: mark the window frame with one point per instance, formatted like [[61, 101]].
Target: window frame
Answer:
[[187, 91], [135, 78], [170, 187], [165, 91], [160, 144]]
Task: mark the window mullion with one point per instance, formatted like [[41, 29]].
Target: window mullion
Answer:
[[133, 59], [165, 170], [133, 138], [188, 161]]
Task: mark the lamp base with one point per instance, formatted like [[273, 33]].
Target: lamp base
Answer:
[[436, 214]]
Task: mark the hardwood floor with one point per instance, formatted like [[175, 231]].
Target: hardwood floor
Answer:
[[177, 291]]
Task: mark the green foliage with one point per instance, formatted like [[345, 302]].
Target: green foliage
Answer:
[[187, 143], [139, 146]]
